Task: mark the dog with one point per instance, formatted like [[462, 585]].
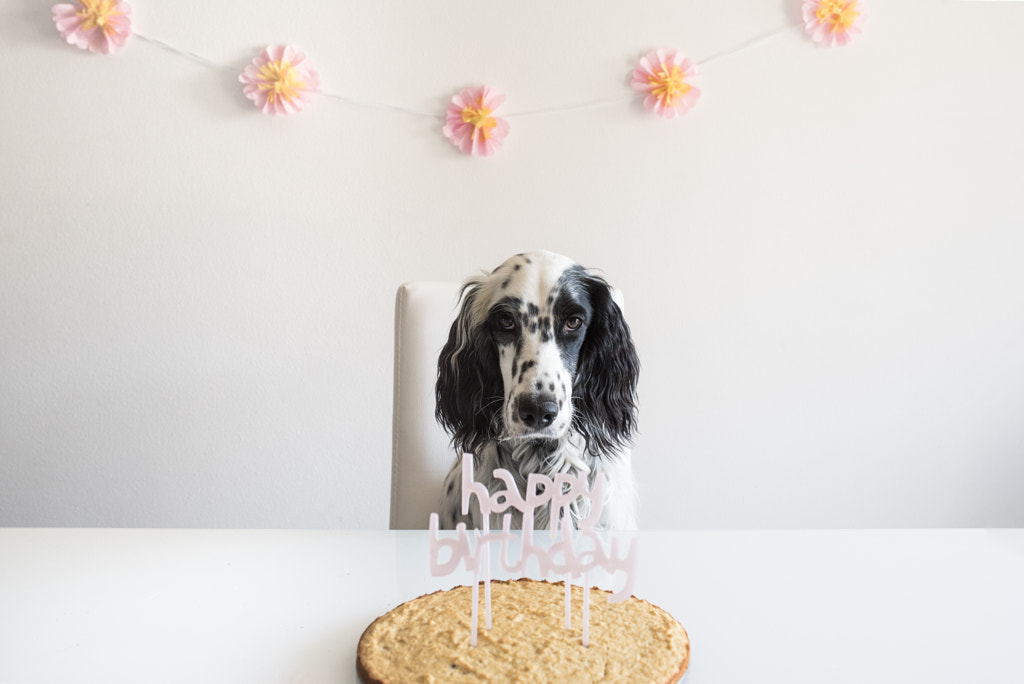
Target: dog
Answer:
[[539, 375]]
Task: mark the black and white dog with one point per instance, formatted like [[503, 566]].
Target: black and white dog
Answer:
[[539, 375]]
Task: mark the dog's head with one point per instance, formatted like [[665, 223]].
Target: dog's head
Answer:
[[539, 347]]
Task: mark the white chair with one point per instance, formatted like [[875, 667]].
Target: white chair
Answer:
[[421, 455]]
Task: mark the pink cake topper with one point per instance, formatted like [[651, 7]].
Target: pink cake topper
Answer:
[[573, 556]]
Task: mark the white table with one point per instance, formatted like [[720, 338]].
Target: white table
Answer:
[[274, 607]]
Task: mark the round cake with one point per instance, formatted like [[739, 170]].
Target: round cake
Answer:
[[428, 639]]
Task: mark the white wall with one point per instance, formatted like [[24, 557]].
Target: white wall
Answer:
[[822, 262]]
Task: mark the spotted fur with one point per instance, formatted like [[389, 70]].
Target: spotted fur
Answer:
[[539, 375]]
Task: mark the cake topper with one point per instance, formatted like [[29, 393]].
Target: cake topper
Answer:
[[569, 554]]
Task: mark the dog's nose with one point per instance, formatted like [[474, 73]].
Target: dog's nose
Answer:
[[537, 412]]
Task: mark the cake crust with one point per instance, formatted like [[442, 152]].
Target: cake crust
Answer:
[[427, 639]]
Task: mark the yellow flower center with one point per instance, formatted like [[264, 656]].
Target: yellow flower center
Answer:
[[838, 15], [669, 85], [97, 13], [281, 80], [481, 119]]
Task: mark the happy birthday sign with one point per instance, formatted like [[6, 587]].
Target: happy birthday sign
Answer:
[[568, 554]]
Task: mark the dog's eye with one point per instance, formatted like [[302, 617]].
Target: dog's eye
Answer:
[[506, 321], [573, 323]]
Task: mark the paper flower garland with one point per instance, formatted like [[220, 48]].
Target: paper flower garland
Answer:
[[833, 22], [280, 80], [661, 75], [470, 124], [96, 25]]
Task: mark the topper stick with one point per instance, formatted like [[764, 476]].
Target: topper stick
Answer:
[[586, 610], [474, 612], [487, 573], [568, 601]]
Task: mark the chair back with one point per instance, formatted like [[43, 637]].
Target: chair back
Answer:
[[421, 455]]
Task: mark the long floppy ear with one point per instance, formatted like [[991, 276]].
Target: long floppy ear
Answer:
[[604, 390], [469, 387]]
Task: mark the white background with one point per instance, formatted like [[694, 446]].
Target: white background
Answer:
[[822, 262]]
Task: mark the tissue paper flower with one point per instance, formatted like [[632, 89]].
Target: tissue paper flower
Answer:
[[470, 124], [661, 75], [280, 80], [96, 25], [833, 22]]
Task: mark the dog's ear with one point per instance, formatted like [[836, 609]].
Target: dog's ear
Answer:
[[604, 391], [469, 388]]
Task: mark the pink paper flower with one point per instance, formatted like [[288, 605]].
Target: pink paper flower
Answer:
[[470, 124], [280, 80], [661, 74], [833, 22], [96, 25]]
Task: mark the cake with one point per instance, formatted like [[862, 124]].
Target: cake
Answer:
[[427, 639]]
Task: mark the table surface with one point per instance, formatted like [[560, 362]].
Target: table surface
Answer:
[[282, 607]]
